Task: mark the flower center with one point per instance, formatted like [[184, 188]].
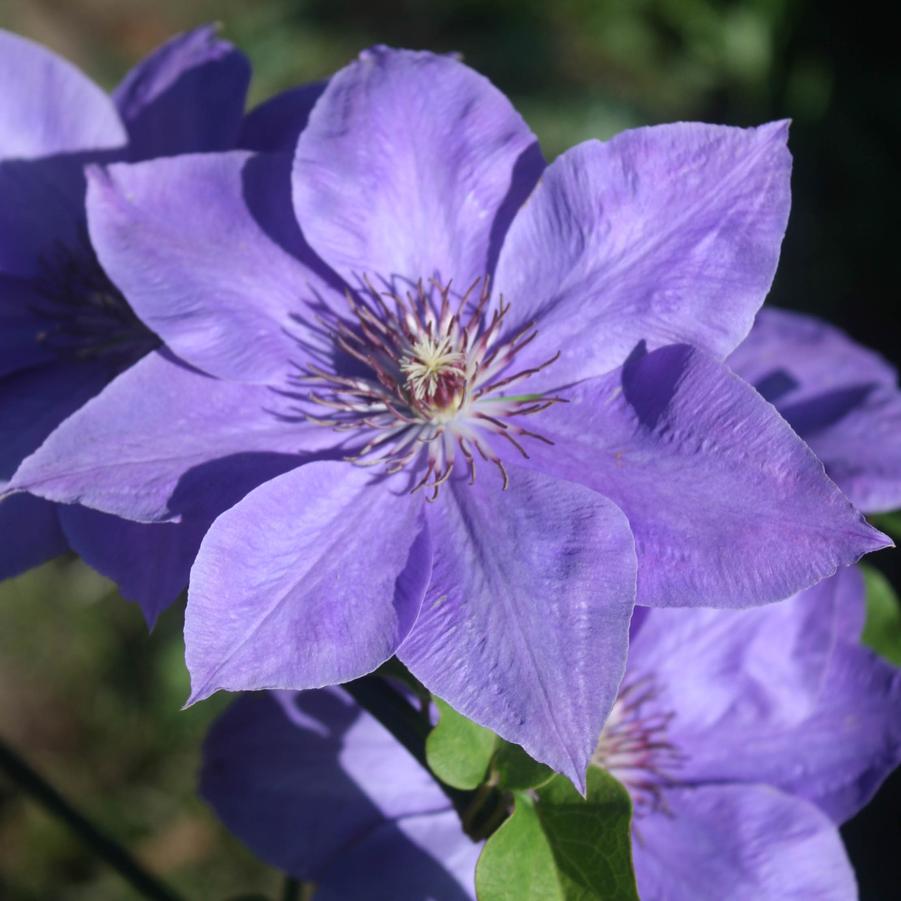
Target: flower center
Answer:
[[83, 315], [432, 390], [635, 746], [435, 372]]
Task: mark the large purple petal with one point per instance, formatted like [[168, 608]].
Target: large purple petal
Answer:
[[728, 506], [48, 107], [411, 166], [331, 572], [840, 397], [666, 234], [778, 695], [740, 842], [149, 562], [314, 786], [274, 126], [186, 97], [206, 249], [30, 532], [525, 625], [164, 441]]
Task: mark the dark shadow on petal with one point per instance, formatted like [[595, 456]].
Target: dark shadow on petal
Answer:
[[266, 179], [275, 126], [212, 487], [775, 385], [649, 380], [526, 172], [816, 413]]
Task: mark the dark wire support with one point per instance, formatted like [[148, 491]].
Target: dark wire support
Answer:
[[33, 784]]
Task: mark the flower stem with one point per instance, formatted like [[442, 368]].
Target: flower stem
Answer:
[[405, 723], [52, 801]]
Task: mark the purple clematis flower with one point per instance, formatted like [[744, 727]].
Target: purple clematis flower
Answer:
[[65, 329], [744, 738], [840, 397], [319, 789], [545, 371]]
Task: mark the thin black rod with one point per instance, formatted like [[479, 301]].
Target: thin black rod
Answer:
[[31, 782]]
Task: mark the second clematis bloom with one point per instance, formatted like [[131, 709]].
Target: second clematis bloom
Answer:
[[65, 329], [483, 398], [744, 738], [840, 397]]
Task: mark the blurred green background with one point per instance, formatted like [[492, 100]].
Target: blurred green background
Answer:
[[83, 691]]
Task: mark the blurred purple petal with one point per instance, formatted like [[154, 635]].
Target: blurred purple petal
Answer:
[[742, 842], [186, 97], [42, 214], [34, 401], [149, 562], [840, 397], [21, 327], [319, 789], [275, 125], [791, 699], [30, 532], [48, 107]]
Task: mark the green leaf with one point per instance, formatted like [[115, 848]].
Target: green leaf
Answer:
[[890, 523], [457, 749], [882, 630], [516, 770], [559, 846]]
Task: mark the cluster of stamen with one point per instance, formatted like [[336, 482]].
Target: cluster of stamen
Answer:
[[635, 747], [82, 314], [431, 391]]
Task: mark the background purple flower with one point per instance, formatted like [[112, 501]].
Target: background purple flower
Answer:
[[410, 177], [65, 328], [319, 789], [840, 397], [746, 738]]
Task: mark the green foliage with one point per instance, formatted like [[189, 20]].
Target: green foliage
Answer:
[[559, 846], [458, 750], [890, 523], [517, 771], [882, 631]]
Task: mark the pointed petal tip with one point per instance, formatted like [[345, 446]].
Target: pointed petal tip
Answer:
[[878, 541], [778, 127], [199, 694]]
